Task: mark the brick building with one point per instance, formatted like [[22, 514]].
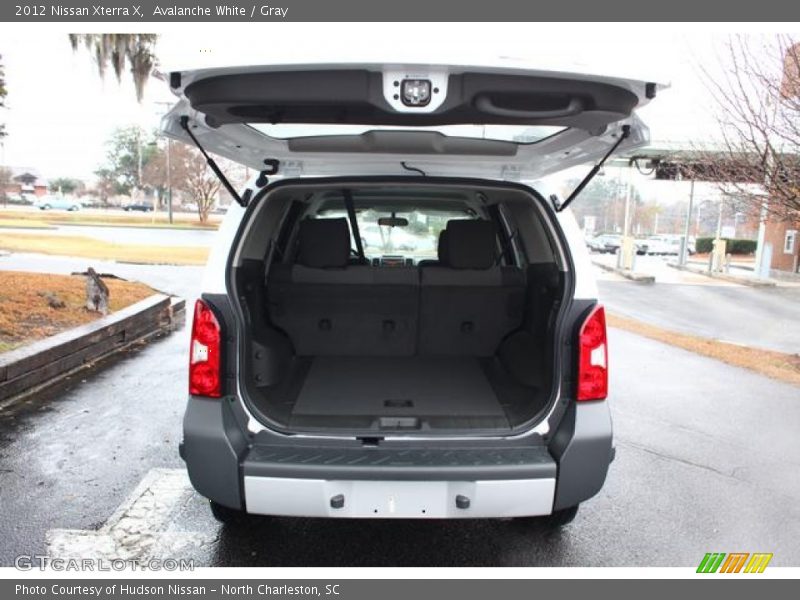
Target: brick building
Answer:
[[781, 237], [26, 180]]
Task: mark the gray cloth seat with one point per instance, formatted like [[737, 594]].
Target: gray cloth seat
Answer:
[[329, 307], [469, 304]]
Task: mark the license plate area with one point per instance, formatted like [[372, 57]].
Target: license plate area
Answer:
[[398, 499]]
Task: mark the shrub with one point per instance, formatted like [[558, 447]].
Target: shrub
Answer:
[[734, 246]]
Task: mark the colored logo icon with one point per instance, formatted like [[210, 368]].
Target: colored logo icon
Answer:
[[735, 562]]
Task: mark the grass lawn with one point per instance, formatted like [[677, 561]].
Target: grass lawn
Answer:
[[91, 248], [24, 223], [109, 219], [26, 316], [777, 365]]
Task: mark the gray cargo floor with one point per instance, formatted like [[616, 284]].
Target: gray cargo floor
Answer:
[[413, 386]]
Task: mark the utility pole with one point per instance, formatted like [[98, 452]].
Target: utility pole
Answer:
[[139, 167], [167, 105], [697, 225], [685, 242], [718, 254], [626, 249]]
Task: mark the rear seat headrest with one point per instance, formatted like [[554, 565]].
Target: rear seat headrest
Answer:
[[324, 243], [470, 244], [441, 248]]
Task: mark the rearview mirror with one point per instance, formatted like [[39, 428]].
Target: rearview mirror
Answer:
[[393, 222]]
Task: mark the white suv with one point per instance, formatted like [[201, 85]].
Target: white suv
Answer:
[[463, 373]]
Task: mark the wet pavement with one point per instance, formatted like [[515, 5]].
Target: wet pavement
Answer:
[[707, 460], [763, 317]]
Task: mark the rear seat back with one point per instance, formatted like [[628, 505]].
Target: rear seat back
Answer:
[[329, 307], [468, 305]]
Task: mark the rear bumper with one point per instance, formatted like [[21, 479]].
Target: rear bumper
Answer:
[[275, 475]]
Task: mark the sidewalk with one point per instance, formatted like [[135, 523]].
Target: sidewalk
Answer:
[[632, 275], [735, 274], [686, 302]]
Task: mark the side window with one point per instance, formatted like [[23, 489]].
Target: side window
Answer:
[[512, 253], [789, 241]]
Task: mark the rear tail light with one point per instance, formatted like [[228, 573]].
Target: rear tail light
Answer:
[[204, 353], [593, 357]]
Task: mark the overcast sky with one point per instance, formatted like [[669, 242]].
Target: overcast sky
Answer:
[[60, 113]]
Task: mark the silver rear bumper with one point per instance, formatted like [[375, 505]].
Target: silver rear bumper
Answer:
[[398, 499]]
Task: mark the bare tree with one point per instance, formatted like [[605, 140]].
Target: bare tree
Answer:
[[3, 93], [118, 49], [202, 184], [188, 173], [5, 181], [757, 101], [106, 185]]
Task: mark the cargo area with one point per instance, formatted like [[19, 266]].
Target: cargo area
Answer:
[[401, 393], [382, 309]]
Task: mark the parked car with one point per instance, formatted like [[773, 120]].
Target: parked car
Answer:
[[472, 385], [610, 243], [57, 202], [595, 244], [138, 207], [607, 243], [667, 245], [19, 199]]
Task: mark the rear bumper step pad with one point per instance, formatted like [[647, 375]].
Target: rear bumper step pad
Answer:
[[399, 463]]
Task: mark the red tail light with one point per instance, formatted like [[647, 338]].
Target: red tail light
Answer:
[[204, 353], [593, 357]]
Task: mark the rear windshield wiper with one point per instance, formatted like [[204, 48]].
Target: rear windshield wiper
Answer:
[[184, 121], [626, 132]]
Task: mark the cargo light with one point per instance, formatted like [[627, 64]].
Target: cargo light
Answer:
[[593, 357], [415, 92], [204, 353]]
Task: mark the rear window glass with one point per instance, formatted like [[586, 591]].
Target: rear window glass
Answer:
[[419, 239]]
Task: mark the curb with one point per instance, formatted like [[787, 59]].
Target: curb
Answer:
[[133, 226], [30, 227], [723, 276], [632, 275], [45, 362]]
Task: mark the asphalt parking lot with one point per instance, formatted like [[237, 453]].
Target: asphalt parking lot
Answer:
[[765, 317], [707, 460]]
